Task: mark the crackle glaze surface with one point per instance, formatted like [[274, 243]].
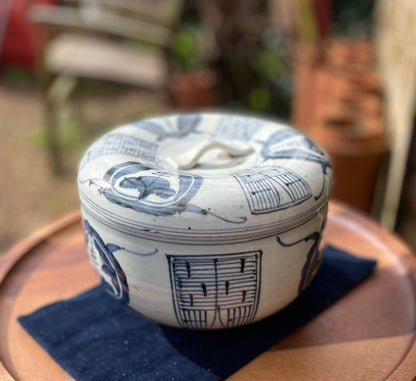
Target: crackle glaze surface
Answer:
[[205, 220]]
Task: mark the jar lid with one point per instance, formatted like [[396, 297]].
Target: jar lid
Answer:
[[203, 175]]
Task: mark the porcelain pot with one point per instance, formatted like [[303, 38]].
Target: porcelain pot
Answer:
[[205, 220]]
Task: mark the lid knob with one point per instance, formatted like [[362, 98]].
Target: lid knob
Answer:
[[219, 153]]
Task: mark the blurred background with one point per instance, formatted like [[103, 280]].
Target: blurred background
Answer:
[[344, 73]]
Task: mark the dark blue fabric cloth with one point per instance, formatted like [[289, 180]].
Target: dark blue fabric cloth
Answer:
[[95, 337]]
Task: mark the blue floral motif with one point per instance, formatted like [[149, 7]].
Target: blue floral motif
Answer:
[[185, 124], [145, 189], [148, 185], [112, 275], [290, 144]]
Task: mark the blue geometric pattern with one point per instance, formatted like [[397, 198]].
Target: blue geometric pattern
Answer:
[[268, 189], [221, 290], [121, 144]]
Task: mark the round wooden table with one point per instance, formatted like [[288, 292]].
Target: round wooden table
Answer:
[[369, 334]]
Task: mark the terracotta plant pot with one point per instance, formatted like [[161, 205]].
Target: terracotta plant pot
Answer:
[[192, 90], [356, 153]]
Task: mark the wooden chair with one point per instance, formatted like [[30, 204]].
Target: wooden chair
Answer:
[[87, 39]]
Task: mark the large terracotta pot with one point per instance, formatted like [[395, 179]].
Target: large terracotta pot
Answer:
[[356, 153]]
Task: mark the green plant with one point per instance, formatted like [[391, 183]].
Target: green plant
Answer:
[[185, 48], [17, 77]]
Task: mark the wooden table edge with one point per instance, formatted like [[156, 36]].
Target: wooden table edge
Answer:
[[25, 246], [408, 257]]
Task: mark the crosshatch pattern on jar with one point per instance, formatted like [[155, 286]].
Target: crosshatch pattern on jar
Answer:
[[221, 290], [271, 189], [121, 144]]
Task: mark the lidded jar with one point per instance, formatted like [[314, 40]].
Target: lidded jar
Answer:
[[205, 220]]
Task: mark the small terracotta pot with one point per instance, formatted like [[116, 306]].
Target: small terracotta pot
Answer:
[[194, 89]]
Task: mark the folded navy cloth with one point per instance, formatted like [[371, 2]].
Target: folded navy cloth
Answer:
[[93, 336]]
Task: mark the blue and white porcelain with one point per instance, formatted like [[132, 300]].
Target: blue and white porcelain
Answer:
[[205, 220]]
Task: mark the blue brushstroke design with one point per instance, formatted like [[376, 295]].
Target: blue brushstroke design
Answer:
[[153, 192], [290, 144], [185, 124], [118, 287]]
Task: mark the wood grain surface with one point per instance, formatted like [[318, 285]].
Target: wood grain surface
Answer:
[[369, 334]]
